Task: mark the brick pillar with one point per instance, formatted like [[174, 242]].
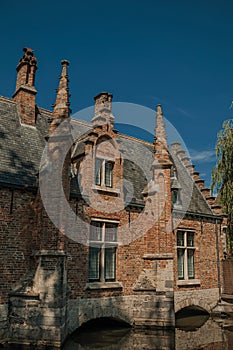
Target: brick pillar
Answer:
[[154, 286]]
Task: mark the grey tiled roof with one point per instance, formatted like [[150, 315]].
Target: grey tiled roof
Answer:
[[191, 198], [21, 148]]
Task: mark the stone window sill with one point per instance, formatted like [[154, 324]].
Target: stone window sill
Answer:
[[103, 285], [108, 190], [184, 283]]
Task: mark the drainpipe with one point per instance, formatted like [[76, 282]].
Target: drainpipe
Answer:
[[218, 259]]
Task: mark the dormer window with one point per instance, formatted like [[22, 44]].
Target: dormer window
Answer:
[[104, 172], [175, 189], [175, 195]]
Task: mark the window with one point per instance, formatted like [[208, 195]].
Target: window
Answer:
[[185, 255], [102, 251], [175, 195], [103, 172]]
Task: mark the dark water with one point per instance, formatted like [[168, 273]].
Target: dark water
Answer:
[[192, 332], [196, 332]]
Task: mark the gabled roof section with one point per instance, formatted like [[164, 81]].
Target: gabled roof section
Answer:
[[191, 197], [21, 147]]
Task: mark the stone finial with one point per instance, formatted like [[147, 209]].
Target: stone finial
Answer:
[[159, 109], [160, 127], [61, 107], [162, 157], [103, 109]]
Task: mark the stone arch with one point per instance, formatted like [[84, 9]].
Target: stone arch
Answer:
[[194, 304], [105, 147], [106, 321], [83, 310], [107, 311]]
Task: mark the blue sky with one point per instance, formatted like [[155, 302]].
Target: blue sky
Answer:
[[177, 53]]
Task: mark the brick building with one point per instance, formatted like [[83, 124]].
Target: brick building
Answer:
[[95, 223]]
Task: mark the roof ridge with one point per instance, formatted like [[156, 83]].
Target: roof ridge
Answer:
[[132, 138], [7, 99]]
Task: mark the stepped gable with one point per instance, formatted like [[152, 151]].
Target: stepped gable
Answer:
[[198, 203]]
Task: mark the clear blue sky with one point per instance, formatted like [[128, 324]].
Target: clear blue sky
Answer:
[[177, 53]]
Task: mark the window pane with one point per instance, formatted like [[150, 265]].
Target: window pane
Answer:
[[108, 173], [96, 231], [110, 232], [174, 196], [94, 263], [98, 172], [110, 263], [180, 258], [190, 263], [190, 239], [180, 238]]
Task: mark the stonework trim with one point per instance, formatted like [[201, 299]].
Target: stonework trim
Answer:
[[104, 285], [50, 253], [193, 282], [164, 256]]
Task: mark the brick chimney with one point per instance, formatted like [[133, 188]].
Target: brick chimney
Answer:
[[103, 109], [25, 92]]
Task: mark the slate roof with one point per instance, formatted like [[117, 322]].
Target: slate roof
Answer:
[[191, 197], [21, 147]]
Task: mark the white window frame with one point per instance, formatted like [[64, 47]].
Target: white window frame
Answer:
[[186, 249], [101, 172], [102, 245]]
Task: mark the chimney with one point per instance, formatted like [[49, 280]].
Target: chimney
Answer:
[[103, 109], [25, 92]]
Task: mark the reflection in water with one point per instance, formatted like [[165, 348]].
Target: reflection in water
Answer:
[[121, 339], [211, 335], [192, 323], [97, 339], [196, 332]]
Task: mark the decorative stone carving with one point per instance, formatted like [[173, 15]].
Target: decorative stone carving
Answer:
[[147, 281]]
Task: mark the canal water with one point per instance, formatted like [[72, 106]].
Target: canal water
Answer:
[[192, 332], [195, 332]]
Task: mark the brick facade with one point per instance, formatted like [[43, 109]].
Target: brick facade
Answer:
[[47, 289]]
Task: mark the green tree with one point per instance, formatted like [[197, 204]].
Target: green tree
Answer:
[[222, 174]]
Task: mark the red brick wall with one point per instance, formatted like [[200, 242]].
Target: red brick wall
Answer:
[[205, 258], [227, 276], [16, 238]]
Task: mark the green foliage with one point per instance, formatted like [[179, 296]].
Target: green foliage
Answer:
[[222, 174]]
